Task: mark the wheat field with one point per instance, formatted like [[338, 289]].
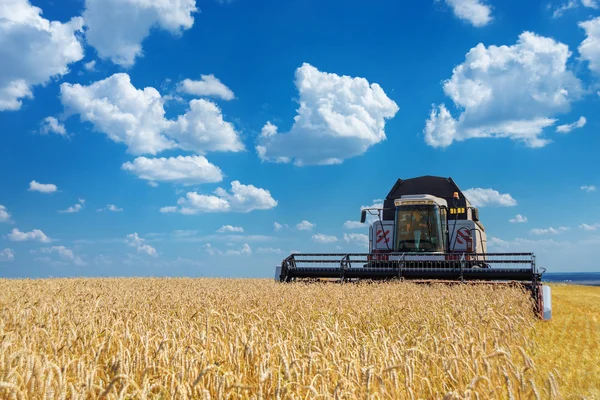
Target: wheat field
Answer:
[[163, 338]]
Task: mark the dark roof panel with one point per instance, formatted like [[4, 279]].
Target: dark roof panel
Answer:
[[433, 185]]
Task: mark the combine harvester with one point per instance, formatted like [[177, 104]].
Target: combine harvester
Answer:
[[426, 231]]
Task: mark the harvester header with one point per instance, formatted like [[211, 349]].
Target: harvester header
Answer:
[[426, 231]]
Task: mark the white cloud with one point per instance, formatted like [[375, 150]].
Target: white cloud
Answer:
[[357, 238], [321, 238], [588, 188], [480, 197], [4, 214], [210, 249], [51, 125], [64, 253], [506, 92], [187, 170], [117, 28], [353, 225], [474, 11], [126, 114], [572, 4], [590, 47], [339, 117], [33, 50], [136, 117], [559, 11], [90, 66], [7, 255], [543, 231], [305, 226], [42, 187], [110, 207], [208, 85], [202, 129], [587, 227], [518, 219], [267, 250], [230, 228], [242, 198], [580, 123], [75, 208], [245, 250], [134, 240], [17, 236], [277, 226]]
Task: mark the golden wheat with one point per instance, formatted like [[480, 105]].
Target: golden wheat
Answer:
[[148, 338]]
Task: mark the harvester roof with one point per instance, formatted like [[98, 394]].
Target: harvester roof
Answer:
[[433, 185]]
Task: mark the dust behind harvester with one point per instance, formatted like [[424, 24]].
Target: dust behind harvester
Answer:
[[426, 231]]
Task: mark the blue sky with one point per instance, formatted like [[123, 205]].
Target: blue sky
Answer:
[[213, 138]]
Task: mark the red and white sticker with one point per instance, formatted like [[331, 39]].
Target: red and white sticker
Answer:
[[385, 234], [463, 234]]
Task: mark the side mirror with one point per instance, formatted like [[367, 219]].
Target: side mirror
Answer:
[[363, 216]]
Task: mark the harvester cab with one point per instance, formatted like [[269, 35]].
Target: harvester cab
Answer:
[[427, 230]]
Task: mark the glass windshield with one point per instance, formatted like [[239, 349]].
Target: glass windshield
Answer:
[[418, 228]]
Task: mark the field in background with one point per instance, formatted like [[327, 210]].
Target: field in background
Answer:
[[219, 338]]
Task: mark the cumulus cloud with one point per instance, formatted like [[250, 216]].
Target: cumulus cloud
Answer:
[[75, 208], [267, 250], [572, 4], [7, 255], [560, 10], [518, 219], [136, 117], [590, 47], [208, 85], [4, 214], [35, 235], [202, 129], [506, 92], [64, 253], [480, 197], [353, 225], [245, 250], [339, 117], [117, 28], [475, 12], [51, 125], [33, 50], [587, 227], [126, 114], [90, 66], [242, 198], [277, 226], [580, 123], [588, 188], [304, 226], [357, 238], [230, 228], [42, 187], [551, 230], [321, 238], [110, 207], [134, 240], [187, 170]]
